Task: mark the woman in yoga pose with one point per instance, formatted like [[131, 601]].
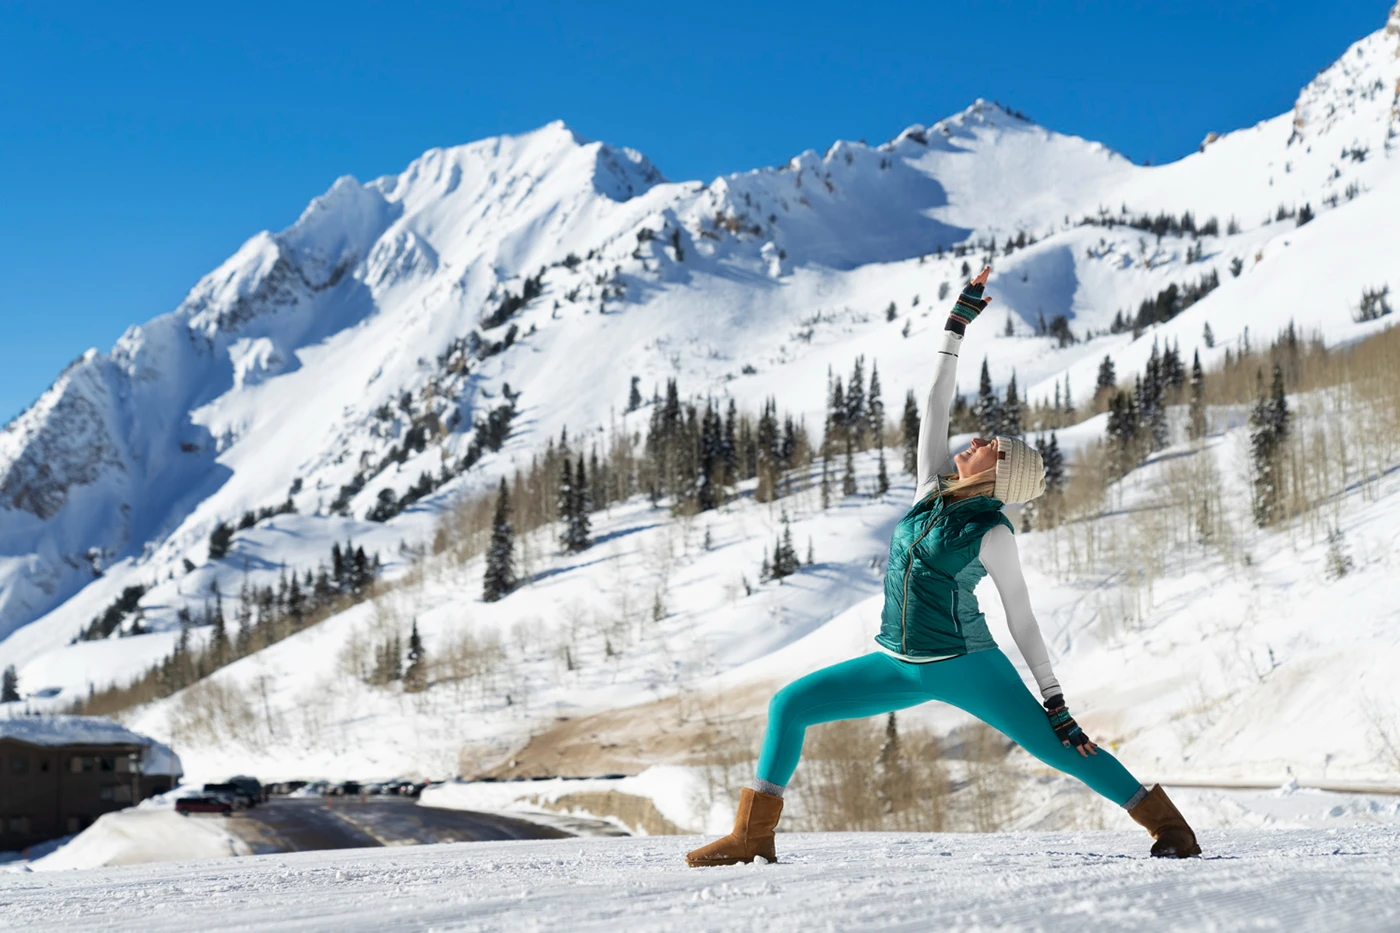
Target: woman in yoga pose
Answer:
[[933, 641]]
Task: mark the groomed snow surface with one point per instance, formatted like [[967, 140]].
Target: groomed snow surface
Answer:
[[1249, 880]]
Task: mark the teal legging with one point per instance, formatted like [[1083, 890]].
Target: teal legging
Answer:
[[983, 684]]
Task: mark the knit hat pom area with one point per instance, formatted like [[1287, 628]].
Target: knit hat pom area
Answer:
[[1020, 473]]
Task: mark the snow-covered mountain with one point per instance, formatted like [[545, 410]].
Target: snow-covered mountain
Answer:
[[358, 348]]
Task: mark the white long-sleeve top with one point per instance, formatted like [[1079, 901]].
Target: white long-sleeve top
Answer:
[[998, 553]]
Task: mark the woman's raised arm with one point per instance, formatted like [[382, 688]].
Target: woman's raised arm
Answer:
[[933, 429]]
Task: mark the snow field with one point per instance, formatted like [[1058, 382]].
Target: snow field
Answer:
[[1088, 881]]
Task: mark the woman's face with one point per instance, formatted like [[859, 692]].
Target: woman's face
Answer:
[[980, 456]]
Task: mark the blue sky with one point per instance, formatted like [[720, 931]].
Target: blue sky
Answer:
[[140, 147]]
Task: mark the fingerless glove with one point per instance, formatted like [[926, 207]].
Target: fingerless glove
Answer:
[[1066, 729], [965, 309]]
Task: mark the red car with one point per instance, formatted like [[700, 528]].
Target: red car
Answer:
[[187, 805]]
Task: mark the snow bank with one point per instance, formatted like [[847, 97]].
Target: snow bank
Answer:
[[144, 834]]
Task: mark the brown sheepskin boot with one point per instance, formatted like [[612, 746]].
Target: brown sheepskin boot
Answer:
[[1159, 816], [752, 836]]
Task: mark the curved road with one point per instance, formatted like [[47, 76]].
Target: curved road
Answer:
[[300, 824]]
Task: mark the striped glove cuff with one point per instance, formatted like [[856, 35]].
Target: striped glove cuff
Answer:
[[965, 309], [1066, 729]]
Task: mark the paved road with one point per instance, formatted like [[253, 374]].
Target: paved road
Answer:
[[301, 824]]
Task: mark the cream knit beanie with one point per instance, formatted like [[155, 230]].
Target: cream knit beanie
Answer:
[[1020, 471]]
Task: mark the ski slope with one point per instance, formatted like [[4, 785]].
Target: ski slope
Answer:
[[1076, 883]]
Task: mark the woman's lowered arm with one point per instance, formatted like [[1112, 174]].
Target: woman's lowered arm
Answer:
[[1003, 562]]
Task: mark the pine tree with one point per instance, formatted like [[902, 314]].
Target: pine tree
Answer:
[[836, 415], [415, 677], [1069, 398], [296, 602], [1151, 400], [1269, 429], [826, 482], [987, 409], [882, 477], [848, 481], [1011, 411], [875, 407], [218, 641], [219, 540], [564, 501], [729, 446], [909, 428], [500, 556], [769, 453], [1054, 461], [579, 525], [634, 397], [1108, 377], [785, 562], [9, 686], [1278, 406], [892, 781], [1123, 430], [1197, 427], [1173, 370], [360, 574], [1208, 336], [855, 419]]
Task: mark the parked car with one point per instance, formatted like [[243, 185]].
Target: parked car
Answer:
[[235, 795], [205, 803], [249, 786], [344, 789]]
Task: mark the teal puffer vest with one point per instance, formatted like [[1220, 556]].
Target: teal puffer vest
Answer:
[[930, 610]]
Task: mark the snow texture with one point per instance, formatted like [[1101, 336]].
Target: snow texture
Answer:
[[1075, 882]]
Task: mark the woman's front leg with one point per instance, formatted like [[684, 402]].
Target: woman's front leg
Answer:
[[865, 686], [986, 685]]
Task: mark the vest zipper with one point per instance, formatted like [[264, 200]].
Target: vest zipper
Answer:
[[904, 605], [957, 622]]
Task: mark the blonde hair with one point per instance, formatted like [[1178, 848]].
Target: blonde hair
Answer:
[[979, 484]]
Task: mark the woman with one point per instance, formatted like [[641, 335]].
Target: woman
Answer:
[[934, 642]]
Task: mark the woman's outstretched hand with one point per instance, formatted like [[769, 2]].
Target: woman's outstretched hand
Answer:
[[969, 304], [1066, 729]]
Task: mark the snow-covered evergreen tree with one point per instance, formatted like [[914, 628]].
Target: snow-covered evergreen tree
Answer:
[[415, 676], [1196, 428], [1011, 417], [987, 409], [909, 428], [500, 553], [1269, 428], [855, 418], [848, 479]]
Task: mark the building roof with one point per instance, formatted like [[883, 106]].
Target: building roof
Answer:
[[69, 730]]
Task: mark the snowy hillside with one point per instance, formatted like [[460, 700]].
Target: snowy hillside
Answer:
[[366, 354]]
